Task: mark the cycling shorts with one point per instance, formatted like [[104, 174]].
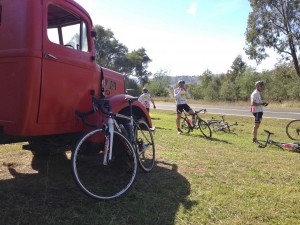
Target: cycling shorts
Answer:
[[181, 107], [257, 116]]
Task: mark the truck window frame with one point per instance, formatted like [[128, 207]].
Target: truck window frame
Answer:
[[0, 14], [67, 29]]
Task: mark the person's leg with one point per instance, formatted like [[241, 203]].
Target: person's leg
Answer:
[[254, 131], [257, 120], [179, 112], [192, 113], [178, 121]]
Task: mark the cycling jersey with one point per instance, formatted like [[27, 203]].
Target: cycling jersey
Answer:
[[256, 97], [145, 99], [181, 95]]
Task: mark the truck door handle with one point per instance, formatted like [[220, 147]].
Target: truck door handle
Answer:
[[49, 56]]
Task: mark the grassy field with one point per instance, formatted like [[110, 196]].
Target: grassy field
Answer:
[[223, 180]]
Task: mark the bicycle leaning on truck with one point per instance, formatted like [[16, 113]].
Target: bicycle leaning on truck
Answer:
[[104, 160]]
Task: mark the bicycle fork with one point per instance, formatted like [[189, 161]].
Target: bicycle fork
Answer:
[[109, 137]]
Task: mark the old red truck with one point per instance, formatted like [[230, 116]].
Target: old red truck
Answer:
[[48, 71]]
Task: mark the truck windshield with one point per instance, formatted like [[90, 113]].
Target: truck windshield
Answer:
[[66, 28]]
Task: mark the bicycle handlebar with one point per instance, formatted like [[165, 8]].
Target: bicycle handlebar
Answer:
[[84, 115], [101, 104], [204, 110]]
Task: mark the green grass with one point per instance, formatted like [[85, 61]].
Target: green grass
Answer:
[[223, 180]]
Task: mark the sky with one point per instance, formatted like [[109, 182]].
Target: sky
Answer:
[[184, 37]]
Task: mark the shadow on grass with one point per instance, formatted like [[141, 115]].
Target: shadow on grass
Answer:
[[162, 128], [45, 193], [206, 138], [155, 118]]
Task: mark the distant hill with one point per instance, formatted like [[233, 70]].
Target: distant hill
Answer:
[[188, 79]]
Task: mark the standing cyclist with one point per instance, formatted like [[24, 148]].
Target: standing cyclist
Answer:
[[181, 94], [145, 99], [257, 107]]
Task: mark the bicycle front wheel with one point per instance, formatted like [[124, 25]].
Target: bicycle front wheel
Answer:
[[293, 130], [144, 145], [99, 181], [204, 128], [214, 126]]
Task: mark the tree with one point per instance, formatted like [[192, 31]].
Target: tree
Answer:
[[112, 54], [246, 83], [206, 78], [109, 52], [158, 86], [274, 24], [238, 67], [132, 87], [138, 60]]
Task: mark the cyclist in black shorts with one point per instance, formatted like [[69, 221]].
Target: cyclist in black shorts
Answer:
[[181, 94], [257, 107]]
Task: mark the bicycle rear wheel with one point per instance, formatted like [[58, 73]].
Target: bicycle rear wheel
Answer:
[[99, 181], [204, 128], [184, 125], [293, 130], [144, 145]]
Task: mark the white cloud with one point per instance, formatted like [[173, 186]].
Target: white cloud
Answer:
[[192, 10]]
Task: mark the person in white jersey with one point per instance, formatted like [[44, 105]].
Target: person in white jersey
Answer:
[[145, 99], [257, 107], [181, 94]]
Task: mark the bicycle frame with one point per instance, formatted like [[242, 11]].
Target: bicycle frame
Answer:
[[111, 123], [221, 124], [283, 145], [214, 120], [197, 118]]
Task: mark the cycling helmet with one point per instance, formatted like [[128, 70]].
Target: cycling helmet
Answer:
[[145, 90], [181, 81], [259, 83]]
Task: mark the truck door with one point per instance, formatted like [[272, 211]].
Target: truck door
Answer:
[[69, 71]]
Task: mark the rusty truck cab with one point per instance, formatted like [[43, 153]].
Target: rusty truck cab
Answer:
[[48, 70]]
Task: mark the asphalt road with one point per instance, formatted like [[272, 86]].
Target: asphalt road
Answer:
[[234, 110]]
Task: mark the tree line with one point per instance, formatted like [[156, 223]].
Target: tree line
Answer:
[[282, 83]]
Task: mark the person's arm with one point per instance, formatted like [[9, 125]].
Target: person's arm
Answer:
[[177, 93], [188, 95], [153, 103], [140, 98], [259, 104]]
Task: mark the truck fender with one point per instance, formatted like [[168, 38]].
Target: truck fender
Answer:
[[120, 105]]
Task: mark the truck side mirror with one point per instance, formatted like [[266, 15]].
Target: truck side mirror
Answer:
[[94, 34]]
